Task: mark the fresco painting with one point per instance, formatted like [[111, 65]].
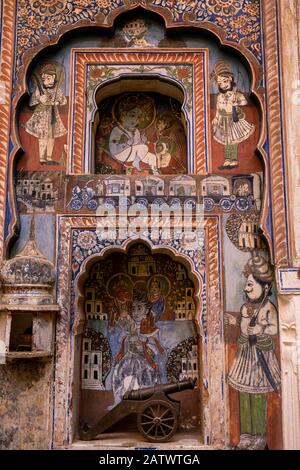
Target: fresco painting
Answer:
[[230, 127], [142, 314], [141, 133], [43, 121], [254, 376], [235, 122], [143, 307]]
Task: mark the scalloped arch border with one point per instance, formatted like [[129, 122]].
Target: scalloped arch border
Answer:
[[124, 249], [213, 363], [274, 171]]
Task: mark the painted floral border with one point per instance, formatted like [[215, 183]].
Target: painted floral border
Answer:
[[183, 74], [87, 242], [40, 20]]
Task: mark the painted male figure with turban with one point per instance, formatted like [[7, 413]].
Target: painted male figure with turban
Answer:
[[230, 127], [127, 143], [46, 123], [255, 371]]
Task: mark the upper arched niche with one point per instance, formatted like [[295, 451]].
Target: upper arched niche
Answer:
[[157, 39], [140, 127], [177, 86]]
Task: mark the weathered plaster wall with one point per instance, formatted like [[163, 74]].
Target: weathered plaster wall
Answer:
[[25, 405]]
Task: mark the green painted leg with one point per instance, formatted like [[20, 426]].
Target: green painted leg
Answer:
[[245, 413], [258, 404], [231, 153]]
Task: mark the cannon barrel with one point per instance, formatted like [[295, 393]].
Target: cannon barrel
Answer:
[[144, 393]]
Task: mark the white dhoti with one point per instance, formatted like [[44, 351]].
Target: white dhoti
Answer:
[[137, 152]]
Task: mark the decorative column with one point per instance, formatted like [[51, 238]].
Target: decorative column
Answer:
[[289, 308], [288, 279]]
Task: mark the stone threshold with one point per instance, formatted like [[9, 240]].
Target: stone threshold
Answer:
[[134, 441]]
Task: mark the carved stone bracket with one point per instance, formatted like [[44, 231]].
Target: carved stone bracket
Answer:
[[289, 307]]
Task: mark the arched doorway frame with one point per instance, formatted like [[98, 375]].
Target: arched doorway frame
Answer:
[[134, 83], [159, 63], [66, 383], [156, 250]]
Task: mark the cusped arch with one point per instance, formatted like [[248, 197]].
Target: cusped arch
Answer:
[[139, 6], [86, 266], [134, 82]]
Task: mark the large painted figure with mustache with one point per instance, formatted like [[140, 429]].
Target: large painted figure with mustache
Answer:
[[255, 371]]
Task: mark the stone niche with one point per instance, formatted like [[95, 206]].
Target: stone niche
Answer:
[[27, 309]]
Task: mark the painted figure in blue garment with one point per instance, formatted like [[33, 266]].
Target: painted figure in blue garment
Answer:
[[135, 366], [157, 288], [156, 299]]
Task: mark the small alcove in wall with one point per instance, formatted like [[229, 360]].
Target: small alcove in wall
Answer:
[[140, 127]]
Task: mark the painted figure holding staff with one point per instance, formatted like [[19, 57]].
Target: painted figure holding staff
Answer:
[[46, 123], [255, 371]]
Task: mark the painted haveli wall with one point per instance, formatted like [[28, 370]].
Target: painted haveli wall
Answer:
[[109, 128]]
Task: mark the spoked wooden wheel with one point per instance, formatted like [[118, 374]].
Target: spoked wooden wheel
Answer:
[[158, 421]]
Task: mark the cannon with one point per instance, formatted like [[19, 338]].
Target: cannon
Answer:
[[157, 413]]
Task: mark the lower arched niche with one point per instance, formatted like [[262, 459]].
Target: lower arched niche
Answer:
[[139, 311]]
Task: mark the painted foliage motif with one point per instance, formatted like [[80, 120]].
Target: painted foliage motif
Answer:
[[239, 19], [43, 123], [140, 133], [143, 308]]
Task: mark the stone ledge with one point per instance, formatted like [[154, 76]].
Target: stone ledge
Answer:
[[134, 441], [29, 308]]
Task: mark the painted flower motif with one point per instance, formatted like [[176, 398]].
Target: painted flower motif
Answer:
[[96, 73], [87, 240], [221, 21], [182, 73], [104, 3], [50, 23], [239, 21], [82, 3], [48, 7], [78, 256], [27, 32], [75, 267], [22, 11], [182, 5], [23, 41], [245, 30], [225, 7], [252, 9]]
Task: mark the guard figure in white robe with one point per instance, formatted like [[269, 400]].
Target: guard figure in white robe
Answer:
[[230, 126], [46, 123], [255, 370]]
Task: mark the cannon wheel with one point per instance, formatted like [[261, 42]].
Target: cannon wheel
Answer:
[[158, 421]]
